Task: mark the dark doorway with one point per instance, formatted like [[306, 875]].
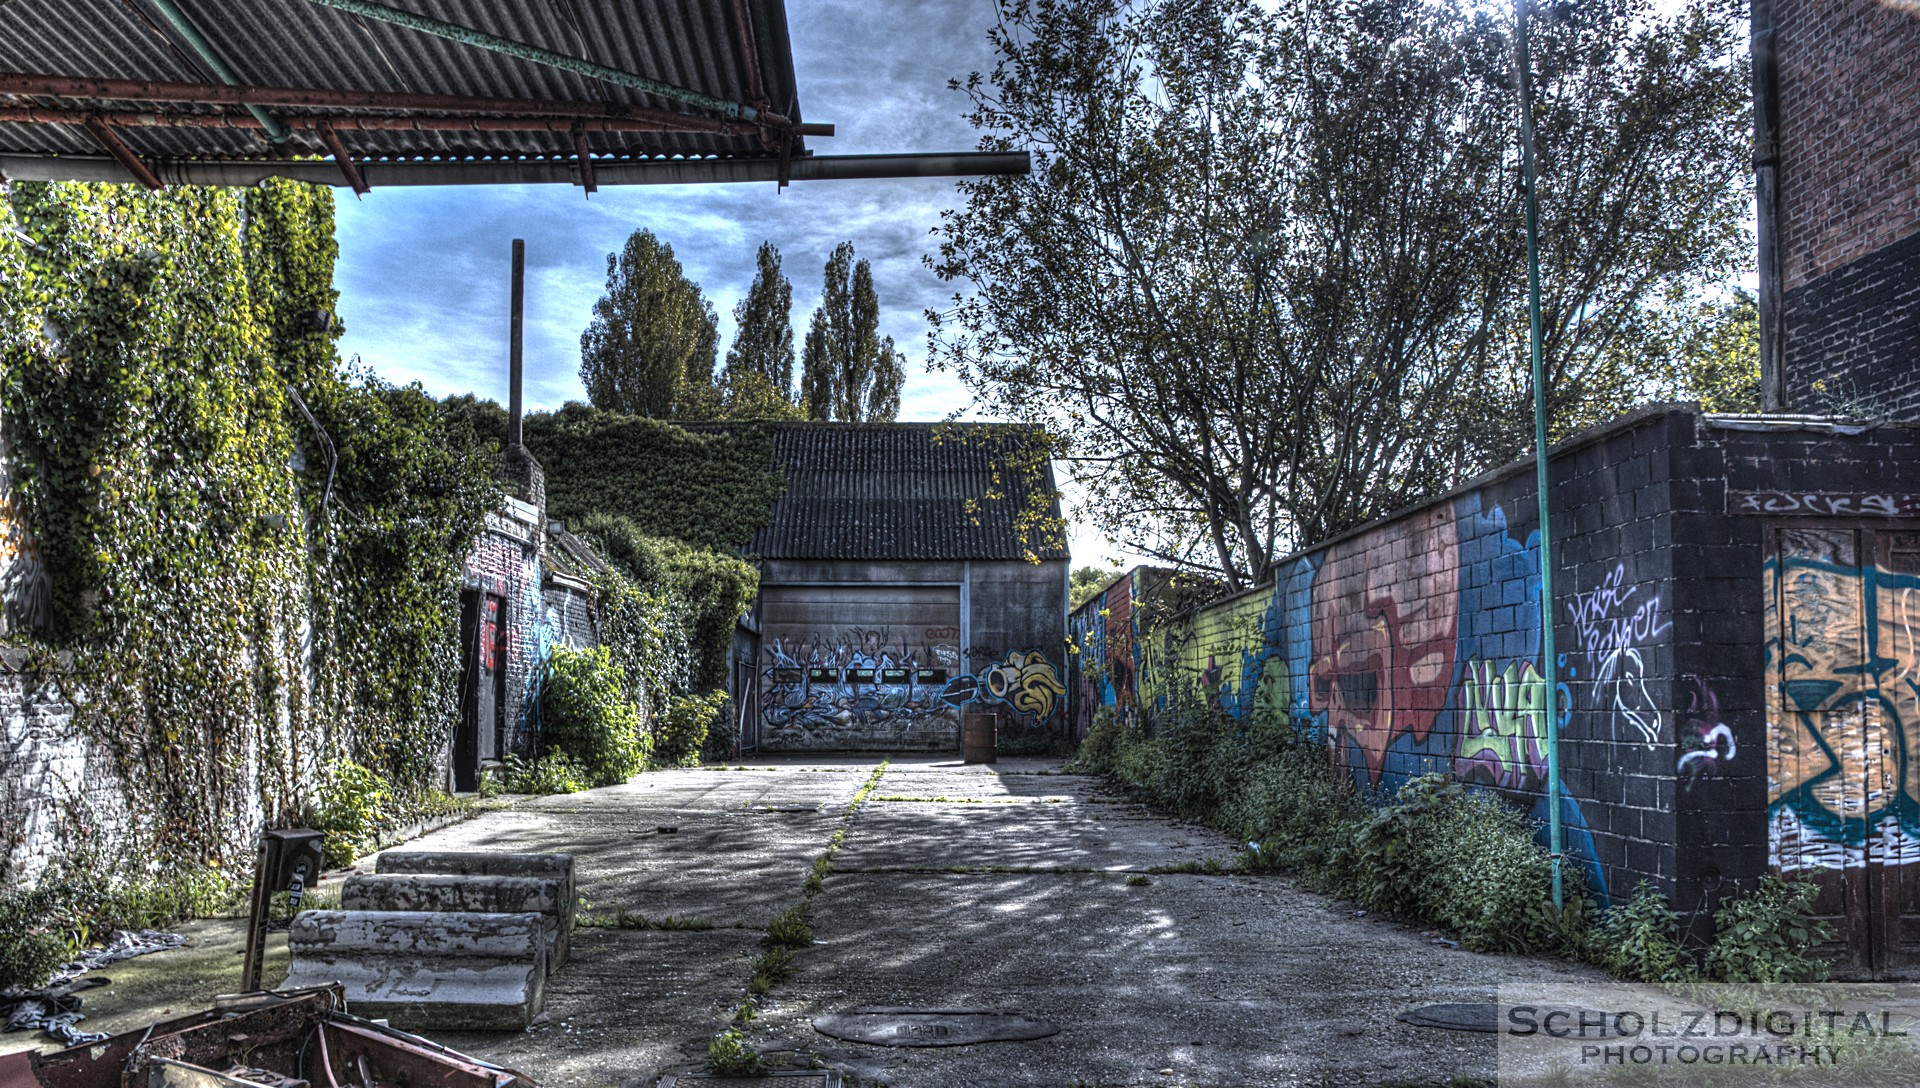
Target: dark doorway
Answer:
[[483, 678]]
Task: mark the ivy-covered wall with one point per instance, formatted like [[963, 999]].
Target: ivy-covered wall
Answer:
[[234, 559]]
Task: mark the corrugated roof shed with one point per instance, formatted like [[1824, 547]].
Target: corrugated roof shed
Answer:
[[697, 45], [910, 491]]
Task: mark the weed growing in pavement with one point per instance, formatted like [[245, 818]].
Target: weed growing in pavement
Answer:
[[626, 919], [1139, 880], [770, 968], [789, 928], [730, 1056], [746, 1013]]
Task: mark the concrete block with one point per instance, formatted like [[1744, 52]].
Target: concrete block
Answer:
[[426, 970], [441, 893], [481, 863]]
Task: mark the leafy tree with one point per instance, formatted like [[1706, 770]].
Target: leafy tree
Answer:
[[848, 371], [1086, 582], [650, 348], [763, 339], [1266, 280], [1720, 358]]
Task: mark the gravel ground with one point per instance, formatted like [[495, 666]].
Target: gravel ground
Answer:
[[957, 887]]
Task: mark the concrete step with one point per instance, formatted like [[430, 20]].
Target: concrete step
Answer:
[[438, 970], [469, 895], [482, 863]]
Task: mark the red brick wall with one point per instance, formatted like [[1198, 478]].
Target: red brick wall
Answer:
[[1849, 131]]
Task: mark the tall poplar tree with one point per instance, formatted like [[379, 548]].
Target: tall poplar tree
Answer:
[[848, 371], [763, 340], [650, 348]]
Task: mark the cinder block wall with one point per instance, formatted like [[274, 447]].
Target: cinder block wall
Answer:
[[1409, 645], [1850, 202]]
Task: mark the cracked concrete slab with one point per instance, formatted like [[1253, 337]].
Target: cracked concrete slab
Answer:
[[1188, 980]]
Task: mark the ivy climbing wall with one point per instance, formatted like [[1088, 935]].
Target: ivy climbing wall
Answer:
[[228, 562]]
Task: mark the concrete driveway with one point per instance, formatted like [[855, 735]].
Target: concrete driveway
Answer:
[[961, 887]]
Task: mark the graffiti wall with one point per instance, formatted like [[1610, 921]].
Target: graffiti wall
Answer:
[[1415, 648], [880, 657], [505, 562], [1843, 669]]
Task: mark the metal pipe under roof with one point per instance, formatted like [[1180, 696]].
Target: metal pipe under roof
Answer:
[[606, 172]]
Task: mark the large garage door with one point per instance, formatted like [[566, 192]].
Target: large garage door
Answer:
[[859, 667]]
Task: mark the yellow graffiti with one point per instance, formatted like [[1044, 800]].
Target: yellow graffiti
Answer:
[[1504, 720], [1027, 682]]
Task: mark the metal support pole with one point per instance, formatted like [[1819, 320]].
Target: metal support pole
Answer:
[[516, 406], [1550, 698], [276, 131]]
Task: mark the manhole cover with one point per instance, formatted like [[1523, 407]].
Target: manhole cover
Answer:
[[932, 1027], [1455, 1016], [1485, 1016]]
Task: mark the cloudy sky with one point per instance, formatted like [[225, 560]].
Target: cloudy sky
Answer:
[[423, 272]]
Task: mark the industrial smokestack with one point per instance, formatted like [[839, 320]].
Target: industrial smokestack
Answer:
[[515, 405]]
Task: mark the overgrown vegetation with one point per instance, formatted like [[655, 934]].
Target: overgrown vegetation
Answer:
[[248, 550], [1436, 851], [587, 716], [75, 906]]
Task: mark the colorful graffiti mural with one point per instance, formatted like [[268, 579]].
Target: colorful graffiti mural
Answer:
[[877, 677], [1410, 650], [1843, 669]]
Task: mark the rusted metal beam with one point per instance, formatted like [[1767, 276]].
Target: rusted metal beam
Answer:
[[36, 115], [515, 171], [585, 156], [121, 152], [140, 90], [345, 160], [749, 55]]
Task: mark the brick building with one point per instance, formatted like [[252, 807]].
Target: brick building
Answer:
[[898, 586], [1837, 95]]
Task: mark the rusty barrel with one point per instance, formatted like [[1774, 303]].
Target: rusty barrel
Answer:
[[978, 738]]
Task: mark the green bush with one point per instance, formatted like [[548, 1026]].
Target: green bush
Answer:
[[585, 715], [29, 952], [352, 805], [551, 773], [1640, 940], [682, 728], [1768, 936]]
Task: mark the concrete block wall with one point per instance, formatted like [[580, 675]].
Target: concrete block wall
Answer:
[[1733, 487], [1411, 645], [1849, 180]]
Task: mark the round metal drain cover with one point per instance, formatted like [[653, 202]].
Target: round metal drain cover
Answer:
[[931, 1027], [1455, 1016]]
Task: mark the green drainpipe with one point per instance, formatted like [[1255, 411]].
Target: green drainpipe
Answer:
[[1524, 79]]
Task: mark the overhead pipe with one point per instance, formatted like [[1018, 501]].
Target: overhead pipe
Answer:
[[198, 41], [1550, 690], [521, 50], [382, 174], [203, 94]]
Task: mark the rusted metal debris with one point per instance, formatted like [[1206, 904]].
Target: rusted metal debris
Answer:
[[277, 1039]]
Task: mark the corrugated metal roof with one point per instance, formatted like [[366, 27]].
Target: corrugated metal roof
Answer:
[[907, 491], [295, 43]]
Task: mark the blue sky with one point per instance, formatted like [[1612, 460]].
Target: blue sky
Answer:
[[423, 272]]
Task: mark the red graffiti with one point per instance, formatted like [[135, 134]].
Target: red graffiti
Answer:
[[489, 634], [942, 634], [1384, 635]]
